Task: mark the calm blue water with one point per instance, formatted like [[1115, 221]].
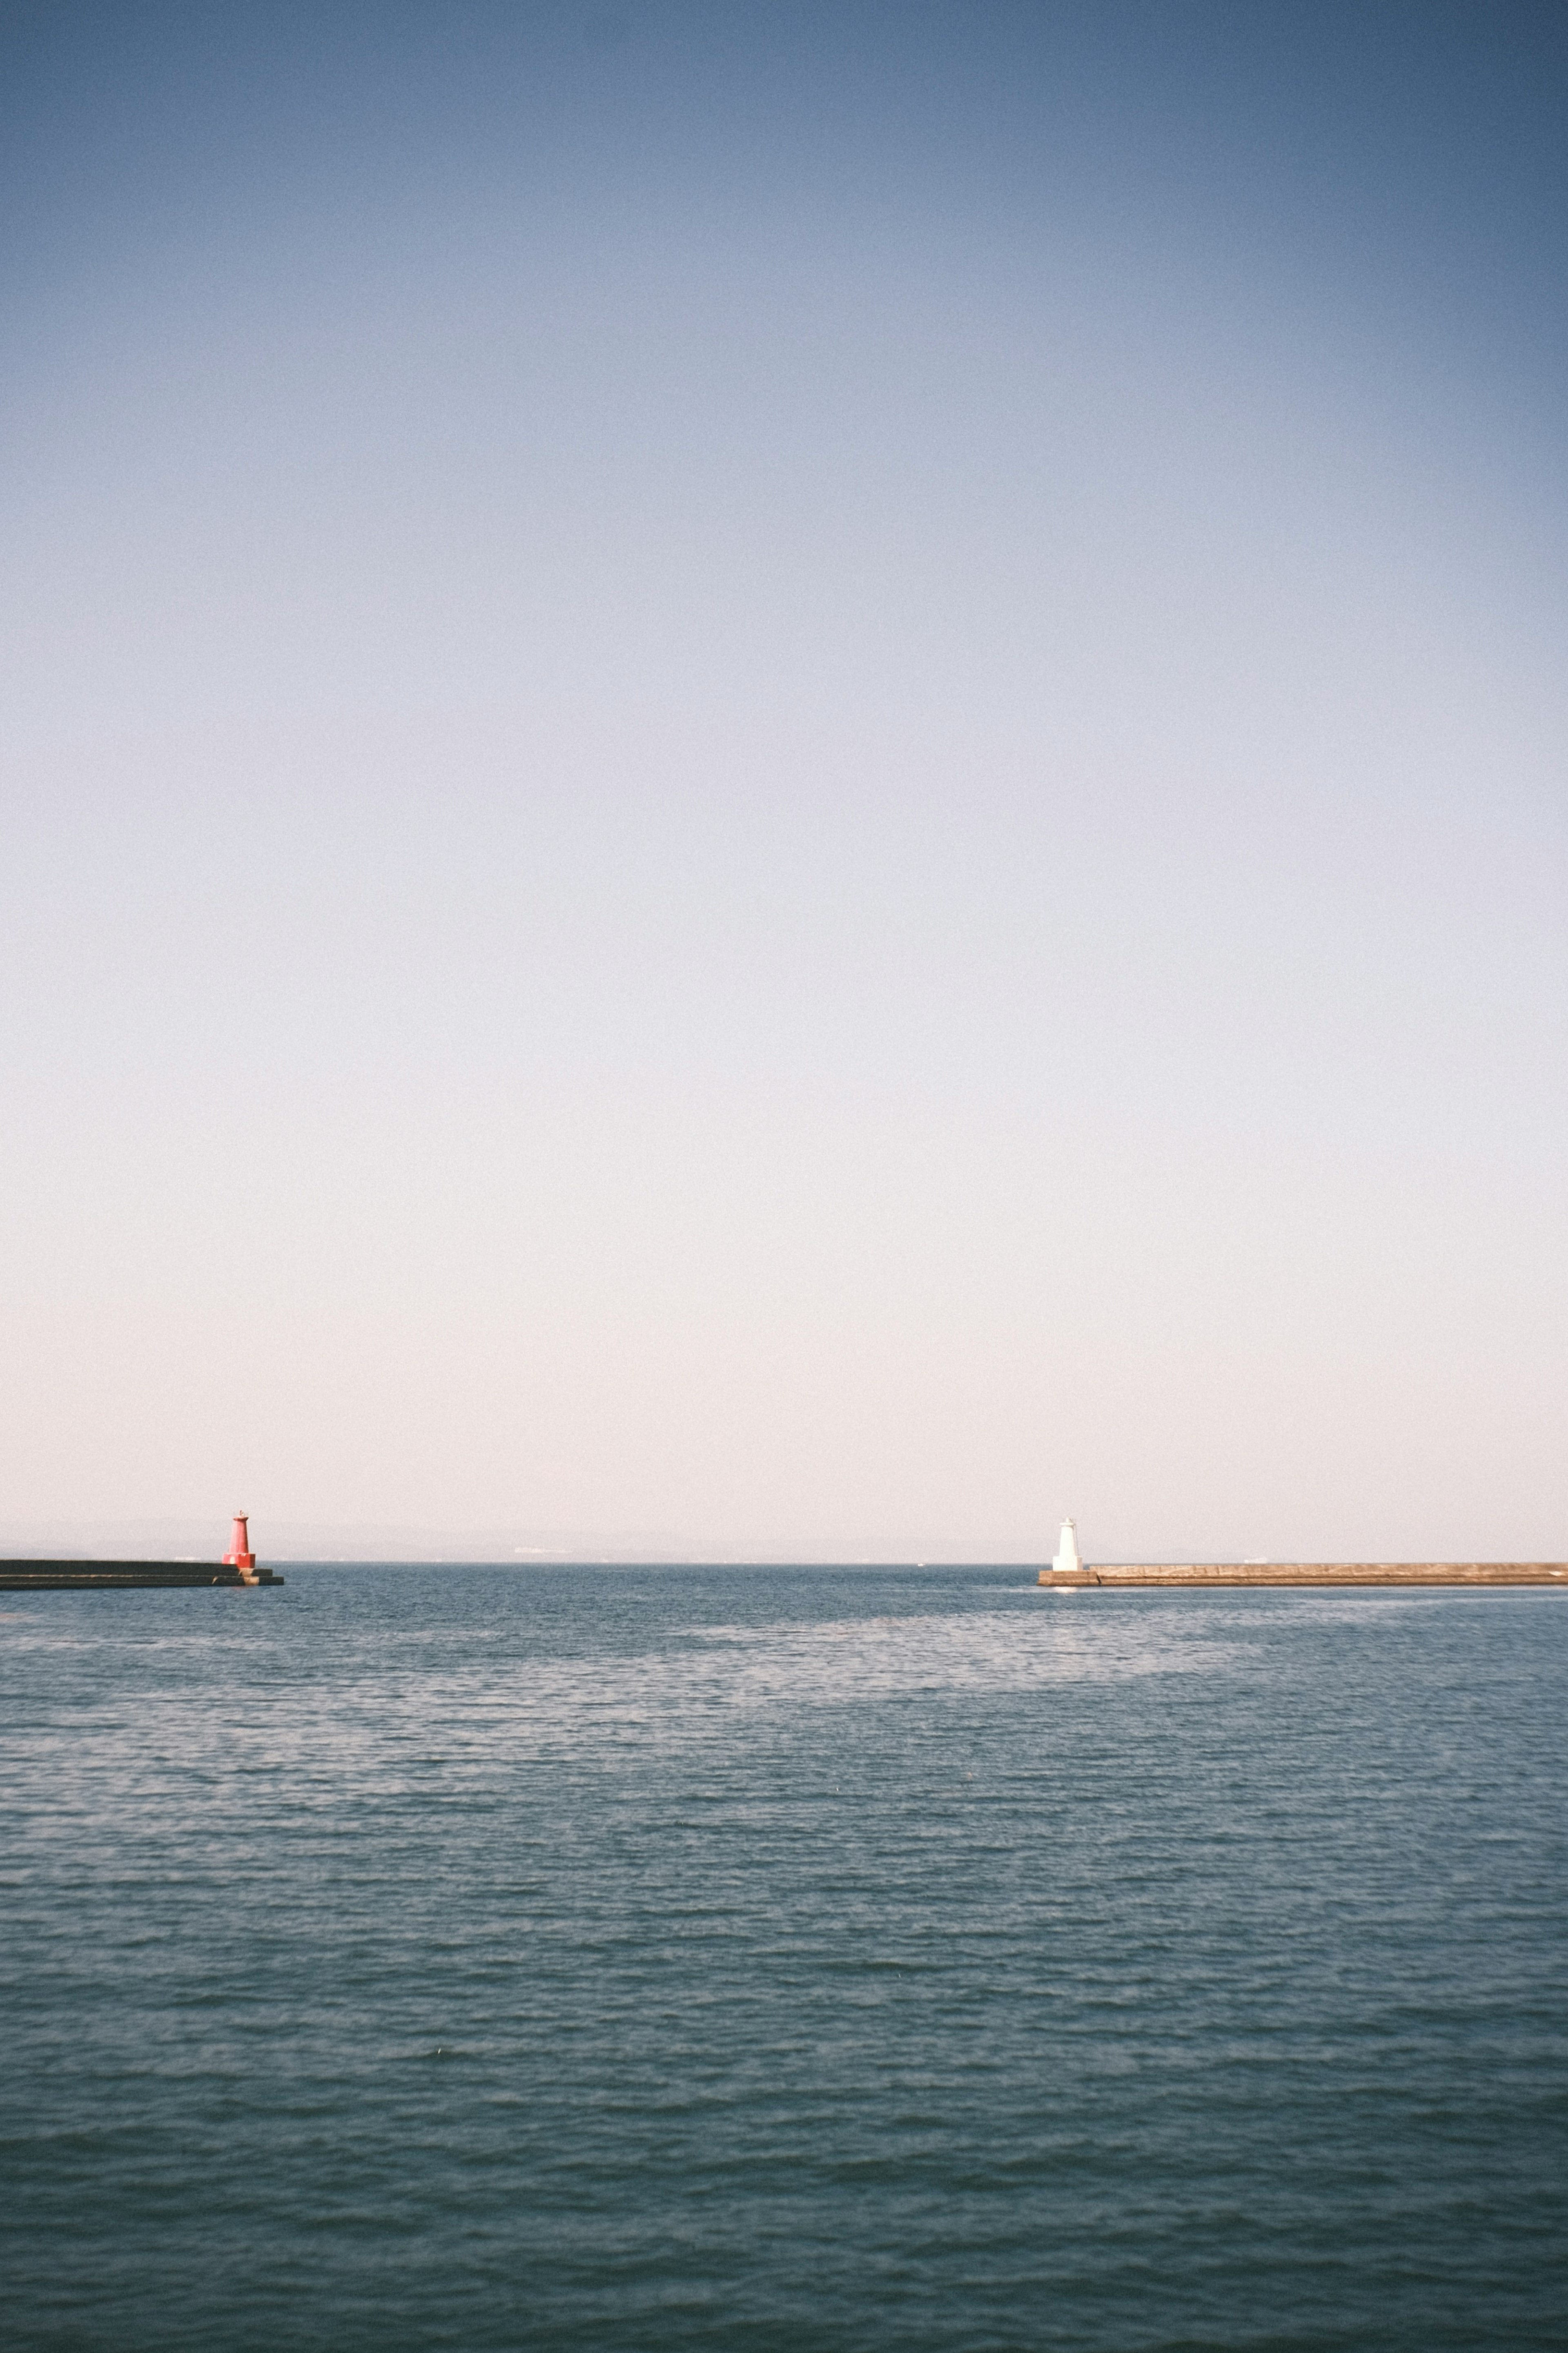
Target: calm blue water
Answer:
[[616, 1959]]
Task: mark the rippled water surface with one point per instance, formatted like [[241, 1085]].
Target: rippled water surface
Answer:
[[630, 1960]]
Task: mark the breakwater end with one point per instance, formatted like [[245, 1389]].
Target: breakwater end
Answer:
[[1353, 1573], [121, 1575]]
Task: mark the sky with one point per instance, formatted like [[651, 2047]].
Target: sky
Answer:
[[785, 782]]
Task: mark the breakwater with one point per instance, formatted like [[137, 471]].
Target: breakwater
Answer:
[[120, 1575], [1317, 1573]]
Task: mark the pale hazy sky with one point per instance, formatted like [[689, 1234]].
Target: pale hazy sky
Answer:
[[788, 780]]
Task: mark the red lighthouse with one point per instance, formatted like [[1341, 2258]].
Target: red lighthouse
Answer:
[[239, 1555]]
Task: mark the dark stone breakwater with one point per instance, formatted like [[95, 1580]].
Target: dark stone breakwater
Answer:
[[121, 1575]]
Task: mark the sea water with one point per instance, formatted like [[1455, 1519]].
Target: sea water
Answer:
[[785, 1958]]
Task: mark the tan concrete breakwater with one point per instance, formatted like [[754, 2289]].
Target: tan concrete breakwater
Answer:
[[1316, 1573]]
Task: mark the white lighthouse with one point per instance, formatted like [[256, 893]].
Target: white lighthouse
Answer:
[[1067, 1562]]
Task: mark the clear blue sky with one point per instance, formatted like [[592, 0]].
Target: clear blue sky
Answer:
[[788, 780]]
